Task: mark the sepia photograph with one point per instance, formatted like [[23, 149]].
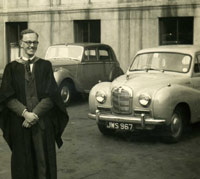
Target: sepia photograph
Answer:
[[99, 89]]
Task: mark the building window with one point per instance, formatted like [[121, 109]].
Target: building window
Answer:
[[87, 31], [13, 30], [176, 30]]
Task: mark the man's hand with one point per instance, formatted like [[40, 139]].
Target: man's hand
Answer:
[[26, 124], [30, 118]]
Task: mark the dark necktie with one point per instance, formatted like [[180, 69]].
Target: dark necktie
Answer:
[[28, 67]]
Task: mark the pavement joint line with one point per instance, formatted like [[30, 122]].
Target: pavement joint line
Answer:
[[92, 174]]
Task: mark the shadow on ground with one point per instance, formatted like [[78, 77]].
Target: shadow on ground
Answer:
[[192, 132], [78, 99]]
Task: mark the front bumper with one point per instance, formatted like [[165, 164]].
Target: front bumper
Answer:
[[142, 120]]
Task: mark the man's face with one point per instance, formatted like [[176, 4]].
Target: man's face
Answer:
[[29, 44]]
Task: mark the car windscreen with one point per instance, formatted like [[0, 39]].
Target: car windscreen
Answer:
[[64, 52], [165, 61]]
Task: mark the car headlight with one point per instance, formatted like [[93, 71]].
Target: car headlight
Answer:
[[100, 97], [144, 100]]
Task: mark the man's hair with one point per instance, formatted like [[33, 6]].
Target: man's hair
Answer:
[[28, 31]]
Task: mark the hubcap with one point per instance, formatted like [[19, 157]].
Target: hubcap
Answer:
[[65, 94], [176, 125]]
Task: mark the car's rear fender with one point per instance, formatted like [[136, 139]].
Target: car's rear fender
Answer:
[[115, 72]]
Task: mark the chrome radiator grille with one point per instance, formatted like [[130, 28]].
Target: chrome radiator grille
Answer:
[[122, 100]]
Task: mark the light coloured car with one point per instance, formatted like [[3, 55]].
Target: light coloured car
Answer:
[[79, 66], [160, 90]]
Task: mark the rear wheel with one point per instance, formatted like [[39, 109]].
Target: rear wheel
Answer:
[[66, 90]]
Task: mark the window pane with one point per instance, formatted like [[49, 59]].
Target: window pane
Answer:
[[176, 30], [104, 55], [90, 55], [169, 31], [87, 31], [162, 61], [186, 30], [196, 65], [64, 52]]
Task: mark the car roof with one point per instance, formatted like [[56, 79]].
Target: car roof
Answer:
[[86, 44], [186, 49]]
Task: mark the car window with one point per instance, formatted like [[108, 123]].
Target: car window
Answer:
[[90, 55], [104, 55], [165, 61], [196, 64], [64, 52]]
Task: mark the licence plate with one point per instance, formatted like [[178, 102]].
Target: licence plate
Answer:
[[121, 126]]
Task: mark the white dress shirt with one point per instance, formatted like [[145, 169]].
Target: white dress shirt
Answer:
[[26, 59]]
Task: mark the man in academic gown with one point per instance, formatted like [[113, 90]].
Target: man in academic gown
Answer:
[[33, 116]]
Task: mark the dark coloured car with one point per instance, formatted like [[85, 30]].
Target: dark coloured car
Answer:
[[79, 66]]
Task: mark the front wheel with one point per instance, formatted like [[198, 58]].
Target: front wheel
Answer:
[[104, 130], [66, 91], [175, 129]]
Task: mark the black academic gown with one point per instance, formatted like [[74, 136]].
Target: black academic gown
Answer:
[[18, 137]]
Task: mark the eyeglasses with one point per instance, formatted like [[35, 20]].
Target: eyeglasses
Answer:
[[35, 43]]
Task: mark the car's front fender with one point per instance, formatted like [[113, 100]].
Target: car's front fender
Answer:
[[103, 86], [167, 98]]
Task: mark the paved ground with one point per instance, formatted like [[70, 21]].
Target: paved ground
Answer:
[[86, 154]]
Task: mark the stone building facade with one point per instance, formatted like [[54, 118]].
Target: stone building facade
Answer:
[[126, 25]]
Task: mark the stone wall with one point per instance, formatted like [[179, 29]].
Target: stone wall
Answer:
[[126, 25]]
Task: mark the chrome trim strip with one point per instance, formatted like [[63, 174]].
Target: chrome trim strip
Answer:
[[92, 116], [130, 119]]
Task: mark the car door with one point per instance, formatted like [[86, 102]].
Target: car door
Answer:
[[107, 62], [90, 71]]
